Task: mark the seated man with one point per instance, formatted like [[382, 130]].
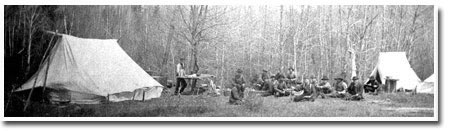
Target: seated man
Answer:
[[280, 87], [270, 85], [237, 95], [291, 77], [372, 86], [309, 92], [237, 92], [212, 86], [324, 87], [257, 85], [266, 80], [355, 90], [339, 89]]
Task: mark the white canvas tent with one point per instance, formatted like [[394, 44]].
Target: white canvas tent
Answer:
[[427, 86], [87, 68], [396, 66]]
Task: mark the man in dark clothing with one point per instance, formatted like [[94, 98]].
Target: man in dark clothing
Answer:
[[291, 77], [237, 92], [237, 95], [309, 92], [266, 80], [238, 79], [372, 85], [355, 90], [180, 81], [270, 85]]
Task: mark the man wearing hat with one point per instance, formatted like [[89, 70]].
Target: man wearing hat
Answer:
[[324, 87], [340, 88], [291, 77], [266, 80], [355, 90], [270, 84], [180, 81], [372, 85], [237, 92], [309, 92], [238, 79], [280, 87]]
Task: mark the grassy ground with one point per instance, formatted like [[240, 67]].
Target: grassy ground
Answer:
[[255, 106]]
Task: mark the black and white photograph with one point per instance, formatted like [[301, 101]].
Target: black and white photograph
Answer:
[[220, 62]]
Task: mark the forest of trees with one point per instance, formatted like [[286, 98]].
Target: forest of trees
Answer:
[[315, 40]]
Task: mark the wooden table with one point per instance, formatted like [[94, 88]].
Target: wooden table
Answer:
[[191, 77]]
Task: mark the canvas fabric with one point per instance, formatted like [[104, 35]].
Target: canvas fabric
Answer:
[[92, 66], [396, 66]]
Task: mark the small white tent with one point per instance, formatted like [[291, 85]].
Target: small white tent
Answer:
[[396, 66], [86, 68], [427, 86]]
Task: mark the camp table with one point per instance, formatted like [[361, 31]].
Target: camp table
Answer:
[[198, 77]]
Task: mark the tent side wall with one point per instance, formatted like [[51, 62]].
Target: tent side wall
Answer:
[[91, 66], [396, 66], [427, 86]]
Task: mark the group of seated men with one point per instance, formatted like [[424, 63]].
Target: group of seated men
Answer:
[[309, 89]]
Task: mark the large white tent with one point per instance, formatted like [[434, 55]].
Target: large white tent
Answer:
[[86, 68], [427, 86], [396, 66]]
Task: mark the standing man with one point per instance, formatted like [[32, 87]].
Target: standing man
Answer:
[[180, 81], [372, 86], [237, 92], [355, 90], [309, 92], [324, 87]]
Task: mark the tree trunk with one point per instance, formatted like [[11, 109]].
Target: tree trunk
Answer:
[[30, 38], [167, 51], [353, 60], [195, 68], [280, 38]]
